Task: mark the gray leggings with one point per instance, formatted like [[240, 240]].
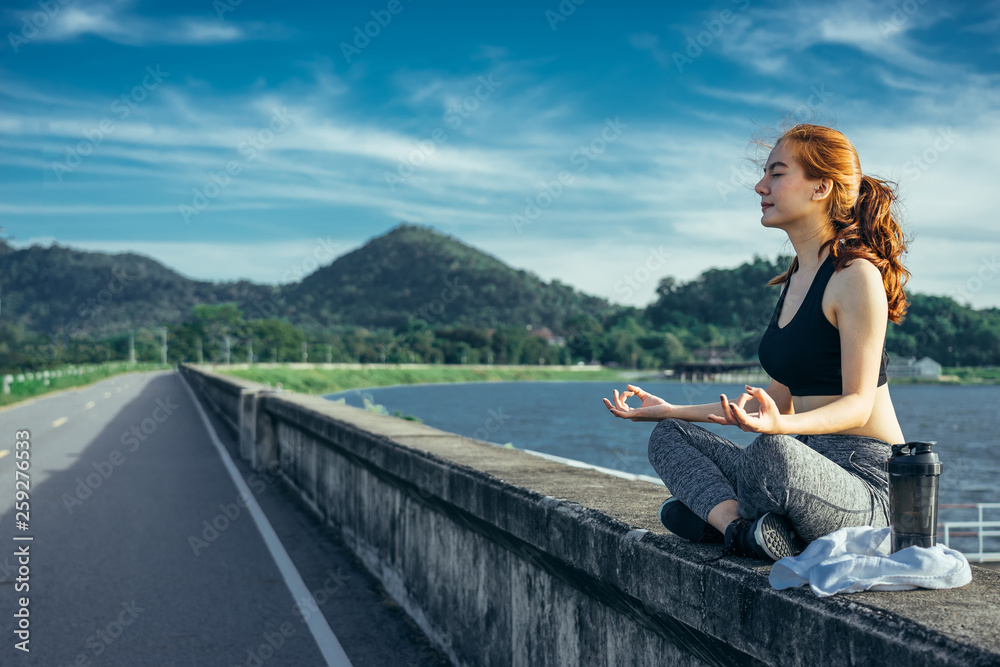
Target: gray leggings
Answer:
[[820, 482]]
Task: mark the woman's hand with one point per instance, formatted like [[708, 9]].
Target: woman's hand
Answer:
[[767, 419], [653, 408]]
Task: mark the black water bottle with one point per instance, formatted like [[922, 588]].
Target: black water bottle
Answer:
[[914, 472]]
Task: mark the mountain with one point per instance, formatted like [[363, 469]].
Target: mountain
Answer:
[[410, 272], [59, 290], [415, 272]]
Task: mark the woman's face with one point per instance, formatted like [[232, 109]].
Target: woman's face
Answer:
[[787, 196]]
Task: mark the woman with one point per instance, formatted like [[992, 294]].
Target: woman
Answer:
[[825, 352]]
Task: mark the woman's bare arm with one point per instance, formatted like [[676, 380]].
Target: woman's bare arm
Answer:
[[654, 408]]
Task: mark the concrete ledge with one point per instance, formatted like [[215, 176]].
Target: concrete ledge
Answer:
[[507, 558]]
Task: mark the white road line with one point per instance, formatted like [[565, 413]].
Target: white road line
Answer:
[[327, 642], [89, 405], [59, 422], [107, 394], [4, 452]]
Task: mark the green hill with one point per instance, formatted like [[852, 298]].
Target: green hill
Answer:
[[417, 273], [57, 296], [60, 291], [411, 272]]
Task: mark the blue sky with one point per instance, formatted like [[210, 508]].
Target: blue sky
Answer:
[[602, 144]]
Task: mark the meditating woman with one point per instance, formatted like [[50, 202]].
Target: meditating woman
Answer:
[[825, 420]]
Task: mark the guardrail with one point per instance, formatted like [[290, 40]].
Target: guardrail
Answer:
[[980, 529]]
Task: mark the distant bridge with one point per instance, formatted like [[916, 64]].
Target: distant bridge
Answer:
[[708, 371]]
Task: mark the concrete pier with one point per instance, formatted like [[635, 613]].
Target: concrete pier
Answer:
[[506, 558]]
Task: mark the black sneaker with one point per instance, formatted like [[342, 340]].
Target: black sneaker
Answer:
[[770, 537], [681, 521]]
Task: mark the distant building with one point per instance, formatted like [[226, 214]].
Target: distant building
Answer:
[[912, 368], [546, 334]]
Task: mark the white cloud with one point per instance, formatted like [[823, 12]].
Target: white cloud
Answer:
[[680, 183], [116, 22]]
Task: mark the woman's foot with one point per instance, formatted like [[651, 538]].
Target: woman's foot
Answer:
[[770, 537], [681, 521]]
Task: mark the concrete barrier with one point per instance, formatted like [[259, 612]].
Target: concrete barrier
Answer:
[[506, 558]]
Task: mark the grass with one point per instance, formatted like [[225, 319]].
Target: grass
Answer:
[[330, 380], [20, 391], [974, 374], [957, 375]]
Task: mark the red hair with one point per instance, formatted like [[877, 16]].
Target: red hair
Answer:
[[863, 210]]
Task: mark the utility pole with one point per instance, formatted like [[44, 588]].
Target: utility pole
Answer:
[[250, 350], [329, 353], [201, 357], [131, 348], [163, 331], [305, 352], [228, 350]]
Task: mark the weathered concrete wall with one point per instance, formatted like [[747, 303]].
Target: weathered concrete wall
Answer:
[[507, 558]]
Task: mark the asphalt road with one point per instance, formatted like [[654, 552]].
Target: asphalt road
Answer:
[[142, 552]]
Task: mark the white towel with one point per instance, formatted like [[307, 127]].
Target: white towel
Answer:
[[857, 559]]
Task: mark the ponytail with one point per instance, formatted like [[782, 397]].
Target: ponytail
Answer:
[[871, 230]]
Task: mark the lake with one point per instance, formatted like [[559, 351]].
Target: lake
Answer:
[[568, 419]]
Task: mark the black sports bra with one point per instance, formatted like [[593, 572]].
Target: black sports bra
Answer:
[[804, 355]]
